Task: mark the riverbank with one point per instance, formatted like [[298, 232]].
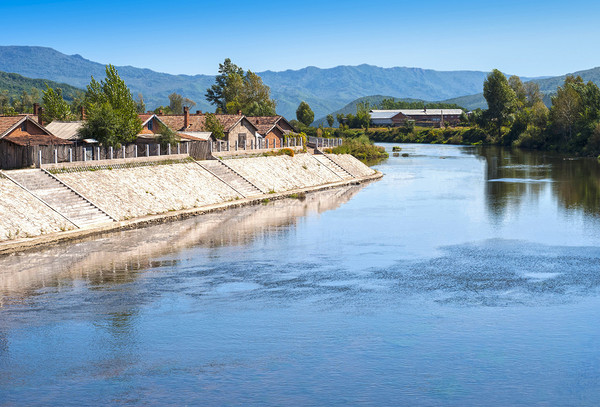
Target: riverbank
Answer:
[[138, 196]]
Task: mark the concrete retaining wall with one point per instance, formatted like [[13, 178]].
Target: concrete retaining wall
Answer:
[[283, 173], [162, 188], [132, 192], [22, 215], [351, 164]]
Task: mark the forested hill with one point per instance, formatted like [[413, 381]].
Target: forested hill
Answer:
[[326, 90], [15, 84], [547, 86]]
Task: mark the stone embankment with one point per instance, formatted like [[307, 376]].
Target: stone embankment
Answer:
[[165, 190]]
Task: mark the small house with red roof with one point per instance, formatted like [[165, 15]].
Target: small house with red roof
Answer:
[[20, 138], [272, 129]]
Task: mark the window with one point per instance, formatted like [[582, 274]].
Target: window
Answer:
[[24, 126], [241, 139], [150, 125]]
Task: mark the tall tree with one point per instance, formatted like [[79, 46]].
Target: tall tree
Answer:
[[500, 98], [111, 116], [177, 102], [304, 114], [566, 106], [140, 106], [330, 120], [534, 95], [520, 93], [236, 90], [55, 107]]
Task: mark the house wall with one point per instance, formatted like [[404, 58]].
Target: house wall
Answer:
[[243, 126], [14, 156], [31, 129], [285, 126], [275, 135]]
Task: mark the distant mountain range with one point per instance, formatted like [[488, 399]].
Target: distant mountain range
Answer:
[[15, 84], [325, 90]]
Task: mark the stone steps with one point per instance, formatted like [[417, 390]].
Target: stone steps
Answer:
[[231, 178], [333, 166], [61, 198]]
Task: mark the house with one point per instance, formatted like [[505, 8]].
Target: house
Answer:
[[421, 117], [237, 128], [21, 139], [152, 125], [272, 129]]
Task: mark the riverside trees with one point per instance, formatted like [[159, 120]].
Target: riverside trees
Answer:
[[236, 90], [111, 116]]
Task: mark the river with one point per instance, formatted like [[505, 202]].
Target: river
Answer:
[[465, 276]]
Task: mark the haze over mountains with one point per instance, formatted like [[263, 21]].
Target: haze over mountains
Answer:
[[326, 90]]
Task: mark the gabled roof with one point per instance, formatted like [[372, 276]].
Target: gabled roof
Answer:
[[65, 130], [383, 114], [10, 123], [265, 124], [197, 122]]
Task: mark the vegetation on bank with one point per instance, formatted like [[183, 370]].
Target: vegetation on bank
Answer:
[[362, 148]]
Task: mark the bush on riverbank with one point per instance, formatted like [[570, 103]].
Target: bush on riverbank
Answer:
[[429, 135], [360, 147]]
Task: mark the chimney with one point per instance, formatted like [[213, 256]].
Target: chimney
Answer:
[[36, 106], [82, 112], [239, 112], [186, 117], [40, 113], [160, 111], [198, 112]]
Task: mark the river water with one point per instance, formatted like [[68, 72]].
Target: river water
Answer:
[[466, 276]]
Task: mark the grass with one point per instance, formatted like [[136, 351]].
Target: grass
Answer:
[[360, 147]]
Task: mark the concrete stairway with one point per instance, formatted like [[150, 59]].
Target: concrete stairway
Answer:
[[61, 198], [240, 184], [333, 166]]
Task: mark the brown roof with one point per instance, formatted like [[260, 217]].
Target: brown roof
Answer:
[[197, 121], [7, 122], [264, 123], [36, 140]]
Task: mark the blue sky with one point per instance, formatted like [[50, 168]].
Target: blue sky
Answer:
[[528, 38]]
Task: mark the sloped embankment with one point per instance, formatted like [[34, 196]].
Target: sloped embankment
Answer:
[[133, 192], [22, 215]]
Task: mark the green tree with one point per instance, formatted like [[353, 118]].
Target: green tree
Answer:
[[177, 102], [566, 106], [213, 125], [55, 107], [341, 118], [500, 97], [140, 106], [330, 119], [167, 136], [111, 116], [236, 90], [217, 93], [517, 86], [532, 89], [304, 114]]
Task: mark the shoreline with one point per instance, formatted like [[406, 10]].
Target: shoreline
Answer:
[[26, 244]]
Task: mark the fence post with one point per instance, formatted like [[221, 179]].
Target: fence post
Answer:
[[187, 147], [40, 157], [169, 150], [236, 145], [98, 150], [147, 150], [83, 153], [158, 149], [178, 148], [70, 155], [135, 151], [124, 152], [111, 152], [210, 146]]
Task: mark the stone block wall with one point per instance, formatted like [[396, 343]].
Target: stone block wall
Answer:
[[351, 164], [22, 215], [133, 192], [283, 173]]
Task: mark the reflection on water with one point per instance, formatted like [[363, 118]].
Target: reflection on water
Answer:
[[115, 258], [516, 175], [466, 276]]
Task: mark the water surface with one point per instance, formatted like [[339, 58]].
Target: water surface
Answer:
[[466, 276]]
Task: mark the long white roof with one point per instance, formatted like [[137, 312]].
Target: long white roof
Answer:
[[388, 114]]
